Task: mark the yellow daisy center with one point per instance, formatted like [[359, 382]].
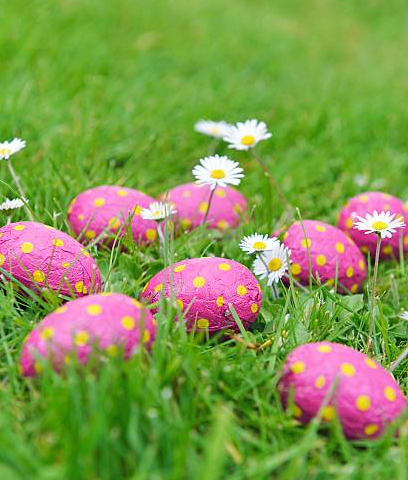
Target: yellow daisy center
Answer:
[[215, 130], [218, 174], [5, 152], [156, 214], [259, 245], [248, 140], [379, 225], [275, 264]]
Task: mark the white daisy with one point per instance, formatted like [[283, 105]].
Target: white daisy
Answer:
[[218, 171], [157, 211], [212, 129], [7, 149], [257, 243], [382, 223], [273, 263], [12, 204], [245, 135], [403, 315]]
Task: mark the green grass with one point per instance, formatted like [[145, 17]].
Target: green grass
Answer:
[[107, 91]]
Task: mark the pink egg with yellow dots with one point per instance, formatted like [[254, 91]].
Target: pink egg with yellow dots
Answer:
[[368, 202], [192, 201], [109, 323], [364, 396], [107, 210], [41, 257], [204, 289], [330, 251]]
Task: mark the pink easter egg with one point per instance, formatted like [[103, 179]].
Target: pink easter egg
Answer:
[[368, 202], [41, 257], [105, 322], [204, 288], [365, 397], [329, 248], [191, 202], [107, 210]]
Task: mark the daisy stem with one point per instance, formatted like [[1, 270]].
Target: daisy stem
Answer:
[[400, 358], [373, 288], [274, 183], [19, 188], [8, 219], [209, 206]]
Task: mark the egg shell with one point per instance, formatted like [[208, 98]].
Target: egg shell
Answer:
[[108, 322], [328, 247], [108, 209], [204, 287], [40, 256], [365, 397], [191, 202], [368, 202]]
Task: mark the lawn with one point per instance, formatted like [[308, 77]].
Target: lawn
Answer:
[[107, 92]]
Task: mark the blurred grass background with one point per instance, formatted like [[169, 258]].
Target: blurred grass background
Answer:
[[108, 92]]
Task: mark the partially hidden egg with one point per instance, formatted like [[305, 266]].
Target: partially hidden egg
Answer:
[[111, 323], [364, 397], [331, 252], [368, 202], [106, 210], [204, 288], [42, 257], [192, 202]]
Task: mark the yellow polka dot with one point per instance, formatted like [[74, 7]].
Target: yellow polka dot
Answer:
[[386, 207], [146, 336], [295, 269], [112, 350], [238, 208], [371, 428], [122, 193], [339, 247], [2, 259], [57, 242], [61, 310], [179, 268], [387, 249], [354, 288], [135, 302], [202, 323], [406, 240], [349, 223], [38, 276], [19, 227], [330, 282], [329, 412], [90, 234], [361, 265], [85, 253], [324, 348], [241, 290], [99, 202], [349, 272], [158, 287], [94, 309], [47, 333], [320, 228], [185, 223], [81, 338], [254, 308], [306, 243], [203, 207], [224, 266], [298, 367], [137, 210], [363, 198], [81, 217], [222, 225], [363, 403], [389, 394], [220, 192], [370, 363], [348, 369], [128, 323], [114, 223], [285, 235], [180, 304], [27, 247], [38, 367], [199, 282], [365, 249], [321, 260], [320, 381], [220, 301], [151, 234], [296, 411], [80, 287]]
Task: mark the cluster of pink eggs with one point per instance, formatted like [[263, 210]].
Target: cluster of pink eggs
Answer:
[[209, 294]]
